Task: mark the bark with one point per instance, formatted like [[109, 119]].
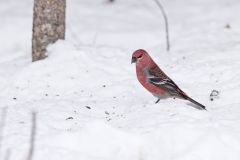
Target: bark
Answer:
[[48, 25]]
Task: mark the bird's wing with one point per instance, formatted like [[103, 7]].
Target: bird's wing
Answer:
[[160, 82], [156, 77]]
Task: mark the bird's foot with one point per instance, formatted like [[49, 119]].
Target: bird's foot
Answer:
[[157, 101]]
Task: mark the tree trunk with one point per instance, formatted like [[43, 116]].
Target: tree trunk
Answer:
[[48, 25]]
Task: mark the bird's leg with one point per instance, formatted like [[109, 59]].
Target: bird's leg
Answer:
[[157, 100]]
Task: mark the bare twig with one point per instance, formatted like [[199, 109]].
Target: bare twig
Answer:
[[8, 154], [2, 125], [33, 135], [166, 23]]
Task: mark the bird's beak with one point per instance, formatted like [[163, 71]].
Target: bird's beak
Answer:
[[134, 60]]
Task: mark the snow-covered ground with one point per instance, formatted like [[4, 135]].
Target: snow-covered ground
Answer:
[[89, 103]]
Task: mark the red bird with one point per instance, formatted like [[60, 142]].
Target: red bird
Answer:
[[156, 81]]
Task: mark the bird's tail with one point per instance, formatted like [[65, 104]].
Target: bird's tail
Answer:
[[186, 97], [199, 105]]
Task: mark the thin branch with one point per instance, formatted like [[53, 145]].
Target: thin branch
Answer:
[[2, 125], [8, 154], [33, 135], [166, 23]]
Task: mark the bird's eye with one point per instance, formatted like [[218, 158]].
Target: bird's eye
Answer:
[[140, 56]]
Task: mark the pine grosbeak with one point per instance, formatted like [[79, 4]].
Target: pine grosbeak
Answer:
[[156, 81]]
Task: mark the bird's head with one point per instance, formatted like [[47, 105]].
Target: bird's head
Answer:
[[139, 55]]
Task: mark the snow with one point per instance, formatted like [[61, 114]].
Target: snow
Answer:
[[89, 103]]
